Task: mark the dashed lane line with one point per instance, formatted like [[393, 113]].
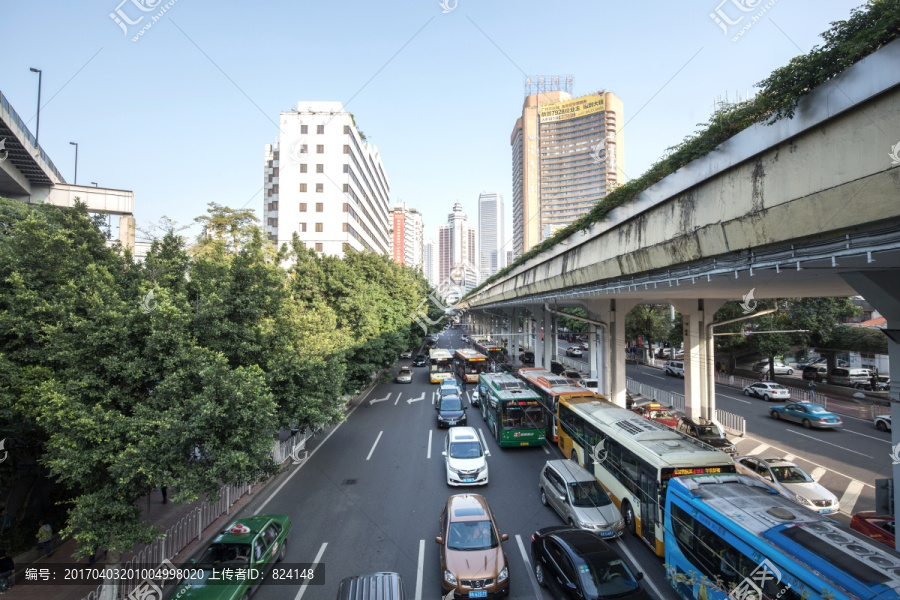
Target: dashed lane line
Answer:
[[373, 445], [534, 583], [317, 560], [848, 500]]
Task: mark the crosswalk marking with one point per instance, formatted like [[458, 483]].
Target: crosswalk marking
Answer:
[[817, 473], [759, 449], [848, 500], [790, 457]]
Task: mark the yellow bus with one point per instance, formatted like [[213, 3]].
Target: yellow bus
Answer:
[[633, 458], [441, 364], [470, 364], [551, 388]]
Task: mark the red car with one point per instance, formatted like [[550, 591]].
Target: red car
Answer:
[[879, 528], [655, 412]]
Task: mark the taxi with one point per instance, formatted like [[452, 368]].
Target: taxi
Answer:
[[657, 412], [238, 560]]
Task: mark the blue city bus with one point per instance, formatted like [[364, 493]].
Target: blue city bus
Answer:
[[513, 413], [731, 536]]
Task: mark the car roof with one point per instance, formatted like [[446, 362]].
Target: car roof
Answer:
[[467, 507], [463, 433], [570, 471], [254, 523], [772, 461], [583, 542]]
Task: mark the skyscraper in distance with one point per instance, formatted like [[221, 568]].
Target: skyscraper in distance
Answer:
[[491, 234], [456, 251], [407, 243]]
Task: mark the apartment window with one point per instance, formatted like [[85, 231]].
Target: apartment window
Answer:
[[346, 188], [273, 222], [346, 168], [320, 187], [320, 149], [320, 129], [346, 149], [275, 189], [302, 227], [346, 129], [302, 187], [275, 171], [320, 168], [319, 207], [303, 168], [304, 129], [275, 155], [318, 246], [346, 207], [344, 227], [270, 192], [303, 149], [319, 228]]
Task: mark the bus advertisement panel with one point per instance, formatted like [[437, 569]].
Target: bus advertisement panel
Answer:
[[729, 536], [513, 413], [470, 364], [441, 364], [551, 388], [634, 459]]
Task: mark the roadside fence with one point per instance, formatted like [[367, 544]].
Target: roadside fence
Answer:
[[732, 423]]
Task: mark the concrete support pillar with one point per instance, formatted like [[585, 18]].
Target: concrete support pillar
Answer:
[[699, 357], [514, 337], [593, 351], [610, 351], [126, 231], [538, 344], [882, 290], [554, 335], [546, 327]]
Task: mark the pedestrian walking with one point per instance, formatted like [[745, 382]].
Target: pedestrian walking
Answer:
[[44, 536], [7, 571], [812, 391]]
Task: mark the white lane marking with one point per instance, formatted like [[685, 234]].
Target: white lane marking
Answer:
[[835, 445], [733, 398], [534, 583], [848, 500], [871, 437], [759, 449], [429, 444], [484, 442], [419, 399], [311, 454], [374, 400], [397, 400], [373, 445], [420, 570], [792, 458], [318, 559], [817, 473], [655, 376], [546, 450], [635, 564]]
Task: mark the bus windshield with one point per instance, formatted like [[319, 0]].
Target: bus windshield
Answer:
[[522, 417]]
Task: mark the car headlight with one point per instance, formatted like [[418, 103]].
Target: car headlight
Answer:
[[449, 577], [504, 574], [452, 470], [802, 500]]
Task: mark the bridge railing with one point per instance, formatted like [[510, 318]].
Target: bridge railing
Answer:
[[732, 423]]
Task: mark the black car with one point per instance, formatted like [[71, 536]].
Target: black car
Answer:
[[707, 432], [815, 373], [577, 564], [526, 358], [557, 367], [420, 360], [451, 412]]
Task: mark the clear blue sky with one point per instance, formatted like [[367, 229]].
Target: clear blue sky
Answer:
[[181, 116]]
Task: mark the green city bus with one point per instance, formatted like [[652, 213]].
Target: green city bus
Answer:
[[513, 412]]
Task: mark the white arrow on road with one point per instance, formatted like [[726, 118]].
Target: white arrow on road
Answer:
[[388, 397], [411, 400]]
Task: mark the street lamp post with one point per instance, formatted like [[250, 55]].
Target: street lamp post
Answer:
[[76, 162], [37, 129]]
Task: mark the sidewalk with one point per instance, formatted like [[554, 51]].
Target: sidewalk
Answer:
[[152, 510]]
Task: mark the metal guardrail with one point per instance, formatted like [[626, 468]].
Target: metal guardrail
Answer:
[[735, 424], [190, 527], [731, 422]]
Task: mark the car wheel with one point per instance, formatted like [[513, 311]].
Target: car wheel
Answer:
[[766, 397], [775, 414], [574, 457], [544, 498], [807, 424], [628, 514], [283, 552], [881, 426], [539, 573], [790, 371], [746, 392]]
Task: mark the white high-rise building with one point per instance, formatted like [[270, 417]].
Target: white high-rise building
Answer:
[[324, 182], [456, 258], [407, 233], [430, 269], [491, 234]]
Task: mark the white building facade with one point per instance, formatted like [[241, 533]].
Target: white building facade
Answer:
[[491, 234], [407, 236], [457, 251], [325, 183]]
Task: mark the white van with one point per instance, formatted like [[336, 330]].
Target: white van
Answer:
[[675, 368], [849, 377]]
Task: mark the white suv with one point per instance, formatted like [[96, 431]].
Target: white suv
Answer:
[[464, 458], [675, 368]]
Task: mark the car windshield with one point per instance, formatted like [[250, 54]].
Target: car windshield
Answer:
[[588, 494], [709, 431], [603, 578], [218, 554], [790, 475], [451, 403], [405, 371], [465, 450], [660, 414], [472, 535]]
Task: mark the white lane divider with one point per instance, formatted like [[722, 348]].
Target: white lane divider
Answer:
[[759, 449], [419, 399], [484, 442], [398, 399], [817, 473], [429, 444], [420, 570], [790, 457], [373, 445], [848, 500], [546, 450], [534, 583], [374, 400], [318, 559]]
